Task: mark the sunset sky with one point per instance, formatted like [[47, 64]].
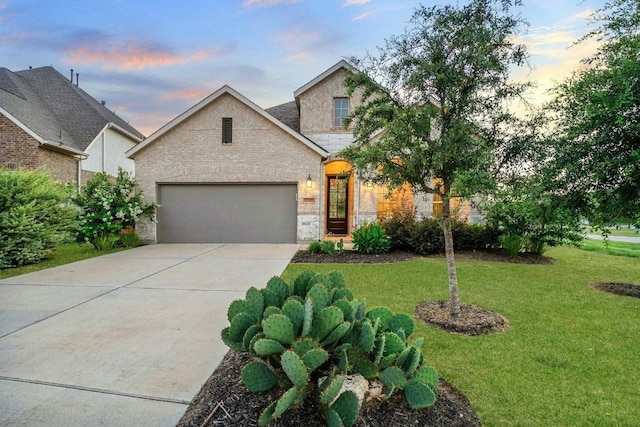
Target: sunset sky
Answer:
[[152, 60]]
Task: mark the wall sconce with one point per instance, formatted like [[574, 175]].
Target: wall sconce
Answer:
[[309, 182]]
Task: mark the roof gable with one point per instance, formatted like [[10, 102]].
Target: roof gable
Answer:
[[225, 90], [338, 66]]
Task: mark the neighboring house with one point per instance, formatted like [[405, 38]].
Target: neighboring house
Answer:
[[228, 171], [48, 122]]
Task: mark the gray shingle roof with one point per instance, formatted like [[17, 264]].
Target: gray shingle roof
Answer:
[[287, 113], [50, 105]]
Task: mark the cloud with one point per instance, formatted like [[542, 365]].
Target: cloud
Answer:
[[190, 94], [355, 3], [124, 55], [267, 3], [362, 16]]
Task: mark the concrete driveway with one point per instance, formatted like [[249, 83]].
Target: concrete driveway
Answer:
[[123, 339]]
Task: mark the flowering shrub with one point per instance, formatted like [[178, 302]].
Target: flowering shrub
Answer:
[[108, 206]]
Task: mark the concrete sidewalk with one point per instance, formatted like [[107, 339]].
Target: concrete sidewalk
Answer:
[[123, 339]]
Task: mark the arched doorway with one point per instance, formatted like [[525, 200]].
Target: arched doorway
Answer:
[[339, 201]]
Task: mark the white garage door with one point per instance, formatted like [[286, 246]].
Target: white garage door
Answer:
[[227, 213]]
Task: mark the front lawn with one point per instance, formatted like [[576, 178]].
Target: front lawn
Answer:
[[570, 356], [64, 254], [611, 247]]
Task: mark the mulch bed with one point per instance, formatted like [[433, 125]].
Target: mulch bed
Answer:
[[228, 403], [354, 257], [472, 321], [624, 289]]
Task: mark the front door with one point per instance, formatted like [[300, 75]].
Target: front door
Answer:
[[337, 203]]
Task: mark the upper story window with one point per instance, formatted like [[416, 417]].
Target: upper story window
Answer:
[[227, 130], [340, 111]]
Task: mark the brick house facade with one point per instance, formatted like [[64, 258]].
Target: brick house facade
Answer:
[[198, 178]]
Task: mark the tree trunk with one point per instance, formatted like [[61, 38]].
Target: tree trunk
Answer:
[[451, 260]]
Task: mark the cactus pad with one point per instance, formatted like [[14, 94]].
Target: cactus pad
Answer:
[[419, 395], [303, 345], [346, 307], [383, 313], [314, 358], [270, 298], [239, 325], [248, 336], [295, 368], [294, 310], [320, 295], [257, 376], [426, 375], [278, 287], [346, 406], [285, 402], [337, 333], [392, 377], [328, 319], [278, 327], [337, 279], [226, 338], [256, 302], [307, 322], [366, 336], [401, 321], [236, 307], [331, 391], [266, 347], [393, 344]]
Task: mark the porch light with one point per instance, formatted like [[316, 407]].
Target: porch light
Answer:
[[309, 182]]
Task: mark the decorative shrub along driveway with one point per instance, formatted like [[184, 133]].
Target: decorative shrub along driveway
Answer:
[[122, 339]]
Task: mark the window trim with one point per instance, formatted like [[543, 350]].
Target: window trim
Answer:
[[342, 109], [227, 130]]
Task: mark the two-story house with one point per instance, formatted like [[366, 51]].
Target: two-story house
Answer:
[[48, 122], [227, 170]]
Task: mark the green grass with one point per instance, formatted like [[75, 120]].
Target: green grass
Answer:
[[64, 254], [612, 248], [570, 356]]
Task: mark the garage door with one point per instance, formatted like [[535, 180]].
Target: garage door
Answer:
[[227, 213]]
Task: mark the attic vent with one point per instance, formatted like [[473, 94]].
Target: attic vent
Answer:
[[227, 130]]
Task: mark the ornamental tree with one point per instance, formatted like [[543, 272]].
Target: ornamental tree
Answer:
[[435, 104]]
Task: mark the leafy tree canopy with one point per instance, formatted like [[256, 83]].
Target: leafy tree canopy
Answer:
[[596, 150]]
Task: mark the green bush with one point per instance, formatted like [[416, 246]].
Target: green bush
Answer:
[[34, 216], [371, 238], [511, 244], [130, 240], [108, 206], [426, 237], [314, 247], [328, 247], [314, 328]]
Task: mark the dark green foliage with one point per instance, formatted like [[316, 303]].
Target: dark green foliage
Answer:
[[371, 238], [425, 237], [316, 328], [34, 217]]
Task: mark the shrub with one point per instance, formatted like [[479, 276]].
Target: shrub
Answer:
[[426, 237], [328, 247], [511, 244], [371, 238], [310, 335], [34, 217], [108, 206], [314, 247]]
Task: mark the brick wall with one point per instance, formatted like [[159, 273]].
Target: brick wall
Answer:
[[193, 153], [19, 149]]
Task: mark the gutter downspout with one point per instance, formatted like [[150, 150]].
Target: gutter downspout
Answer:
[[357, 202], [104, 150]]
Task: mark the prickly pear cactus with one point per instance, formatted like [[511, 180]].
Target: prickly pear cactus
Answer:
[[315, 327]]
